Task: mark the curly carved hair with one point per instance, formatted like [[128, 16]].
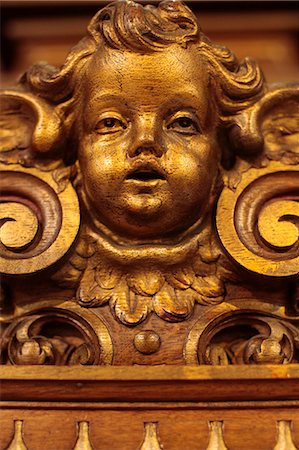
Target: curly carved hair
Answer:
[[145, 29]]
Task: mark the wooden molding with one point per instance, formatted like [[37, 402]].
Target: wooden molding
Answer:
[[150, 384]]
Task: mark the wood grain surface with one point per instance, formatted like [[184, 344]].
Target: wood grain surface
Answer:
[[129, 384], [247, 408]]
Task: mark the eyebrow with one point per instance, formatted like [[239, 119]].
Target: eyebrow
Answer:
[[183, 99], [107, 96]]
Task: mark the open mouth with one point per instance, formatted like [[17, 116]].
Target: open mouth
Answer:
[[145, 174]]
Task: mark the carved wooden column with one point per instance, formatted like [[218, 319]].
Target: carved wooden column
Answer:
[[149, 244]]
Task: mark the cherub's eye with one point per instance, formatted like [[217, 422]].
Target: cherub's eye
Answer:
[[110, 125], [184, 125]]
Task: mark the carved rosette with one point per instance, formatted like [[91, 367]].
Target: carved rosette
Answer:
[[38, 223]]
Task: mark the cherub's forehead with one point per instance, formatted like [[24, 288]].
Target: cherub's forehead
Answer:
[[156, 77], [187, 62]]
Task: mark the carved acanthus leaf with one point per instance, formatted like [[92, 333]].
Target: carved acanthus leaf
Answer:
[[133, 291]]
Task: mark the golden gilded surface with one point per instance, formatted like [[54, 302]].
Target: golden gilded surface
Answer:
[[42, 223], [83, 442], [284, 438], [114, 164], [216, 441], [17, 442], [263, 238], [151, 441]]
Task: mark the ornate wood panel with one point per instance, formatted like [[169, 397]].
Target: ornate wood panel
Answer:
[[125, 408], [149, 217]]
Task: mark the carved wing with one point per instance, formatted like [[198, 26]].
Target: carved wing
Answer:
[[29, 126], [39, 219], [258, 218]]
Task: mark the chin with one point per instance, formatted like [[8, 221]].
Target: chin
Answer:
[[144, 205]]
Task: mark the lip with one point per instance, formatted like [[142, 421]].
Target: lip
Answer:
[[145, 173]]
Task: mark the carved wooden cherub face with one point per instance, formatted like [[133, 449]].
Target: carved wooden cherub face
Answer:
[[137, 106], [147, 145]]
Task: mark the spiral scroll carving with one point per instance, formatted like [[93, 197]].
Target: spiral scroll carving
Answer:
[[264, 340], [258, 223], [37, 224], [230, 335], [56, 336]]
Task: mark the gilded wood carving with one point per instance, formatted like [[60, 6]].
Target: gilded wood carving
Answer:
[[149, 209]]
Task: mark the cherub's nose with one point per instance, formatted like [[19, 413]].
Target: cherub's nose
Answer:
[[147, 140]]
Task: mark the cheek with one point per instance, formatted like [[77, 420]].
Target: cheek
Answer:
[[97, 170], [100, 157], [196, 169]]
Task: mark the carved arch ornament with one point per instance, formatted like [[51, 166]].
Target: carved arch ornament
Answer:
[[152, 179]]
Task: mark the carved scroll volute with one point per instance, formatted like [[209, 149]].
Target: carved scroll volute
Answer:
[[258, 215], [258, 221], [38, 223], [39, 212]]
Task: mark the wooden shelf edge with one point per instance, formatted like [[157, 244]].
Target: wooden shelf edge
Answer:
[[150, 373], [148, 384]]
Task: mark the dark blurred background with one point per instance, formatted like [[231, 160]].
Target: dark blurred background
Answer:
[[34, 31]]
